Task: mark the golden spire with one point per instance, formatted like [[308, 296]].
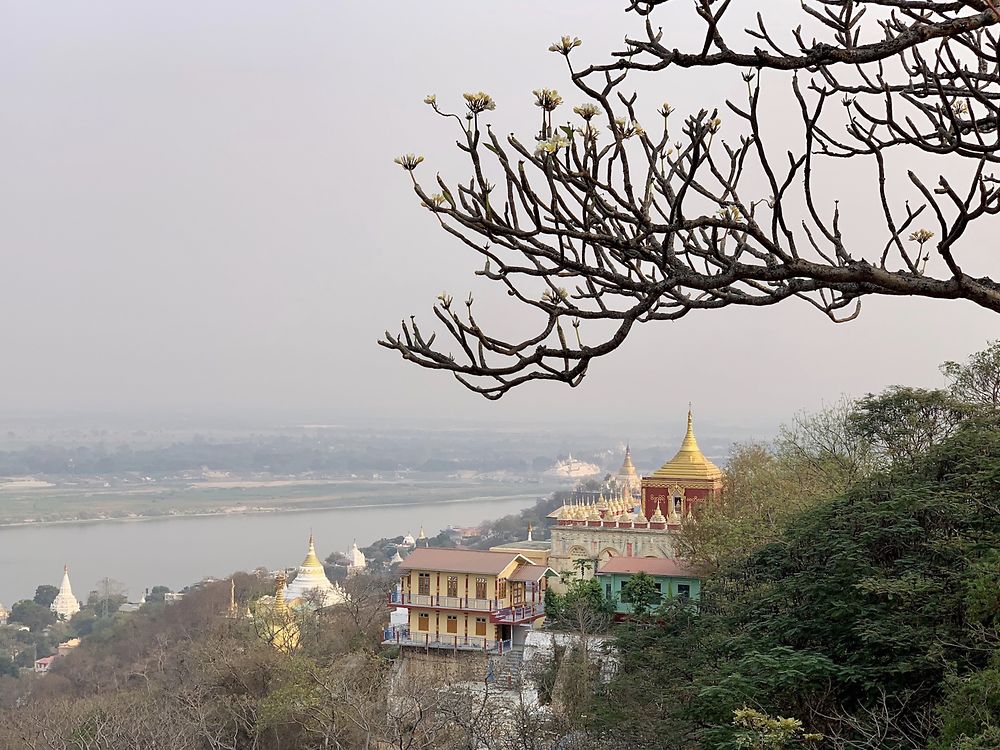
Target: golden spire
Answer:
[[311, 561], [232, 598], [627, 477], [690, 462]]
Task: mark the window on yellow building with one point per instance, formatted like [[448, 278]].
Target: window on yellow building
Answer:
[[517, 592], [423, 621], [452, 585], [480, 588], [480, 626], [452, 623], [424, 584], [502, 588]]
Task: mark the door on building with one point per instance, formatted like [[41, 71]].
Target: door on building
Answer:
[[452, 623]]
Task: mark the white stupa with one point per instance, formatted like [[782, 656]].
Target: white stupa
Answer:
[[311, 583], [65, 604], [357, 557], [397, 558], [4, 614], [409, 541]]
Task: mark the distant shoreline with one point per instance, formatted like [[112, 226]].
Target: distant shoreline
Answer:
[[236, 511]]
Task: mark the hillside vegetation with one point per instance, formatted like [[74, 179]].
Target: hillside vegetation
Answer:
[[852, 601]]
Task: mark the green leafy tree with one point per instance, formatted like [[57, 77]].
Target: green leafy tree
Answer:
[[82, 623], [865, 606], [157, 593], [8, 667], [31, 614], [970, 711], [904, 423], [642, 593], [766, 487], [977, 381], [45, 595]]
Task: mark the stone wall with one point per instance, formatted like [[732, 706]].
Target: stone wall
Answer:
[[601, 542]]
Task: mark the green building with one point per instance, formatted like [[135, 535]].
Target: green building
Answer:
[[673, 578]]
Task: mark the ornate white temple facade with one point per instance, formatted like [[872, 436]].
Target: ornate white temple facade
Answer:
[[65, 604], [311, 586]]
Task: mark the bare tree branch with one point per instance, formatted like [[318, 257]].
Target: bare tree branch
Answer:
[[602, 224]]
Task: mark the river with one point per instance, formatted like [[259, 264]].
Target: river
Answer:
[[178, 551]]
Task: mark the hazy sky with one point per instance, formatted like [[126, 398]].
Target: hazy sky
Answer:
[[199, 214]]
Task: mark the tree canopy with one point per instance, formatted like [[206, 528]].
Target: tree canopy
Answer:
[[626, 212]]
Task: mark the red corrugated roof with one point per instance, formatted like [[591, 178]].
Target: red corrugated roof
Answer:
[[459, 560], [654, 566]]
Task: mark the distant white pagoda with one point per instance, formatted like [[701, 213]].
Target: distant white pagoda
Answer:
[[65, 604], [357, 557], [4, 614], [311, 584], [409, 541]]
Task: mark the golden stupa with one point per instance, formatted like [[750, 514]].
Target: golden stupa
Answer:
[[280, 628], [627, 477], [690, 462]]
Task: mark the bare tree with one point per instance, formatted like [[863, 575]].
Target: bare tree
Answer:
[[602, 223]]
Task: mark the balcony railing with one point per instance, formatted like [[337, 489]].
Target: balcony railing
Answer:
[[520, 613], [403, 637], [444, 602]]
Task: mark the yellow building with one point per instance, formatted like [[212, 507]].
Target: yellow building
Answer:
[[468, 599]]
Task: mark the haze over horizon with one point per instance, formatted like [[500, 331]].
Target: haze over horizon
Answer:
[[201, 219]]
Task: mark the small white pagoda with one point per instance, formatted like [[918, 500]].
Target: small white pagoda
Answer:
[[357, 558], [65, 604]]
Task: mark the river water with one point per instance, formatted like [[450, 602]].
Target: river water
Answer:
[[178, 551]]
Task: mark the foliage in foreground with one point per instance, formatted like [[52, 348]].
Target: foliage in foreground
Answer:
[[876, 614]]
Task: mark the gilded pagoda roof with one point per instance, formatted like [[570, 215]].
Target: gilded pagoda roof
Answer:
[[690, 462]]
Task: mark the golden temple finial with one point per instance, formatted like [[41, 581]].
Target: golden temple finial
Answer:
[[690, 462], [689, 441], [311, 560]]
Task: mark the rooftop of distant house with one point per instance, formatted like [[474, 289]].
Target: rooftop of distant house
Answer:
[[460, 560], [525, 544], [654, 566]]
